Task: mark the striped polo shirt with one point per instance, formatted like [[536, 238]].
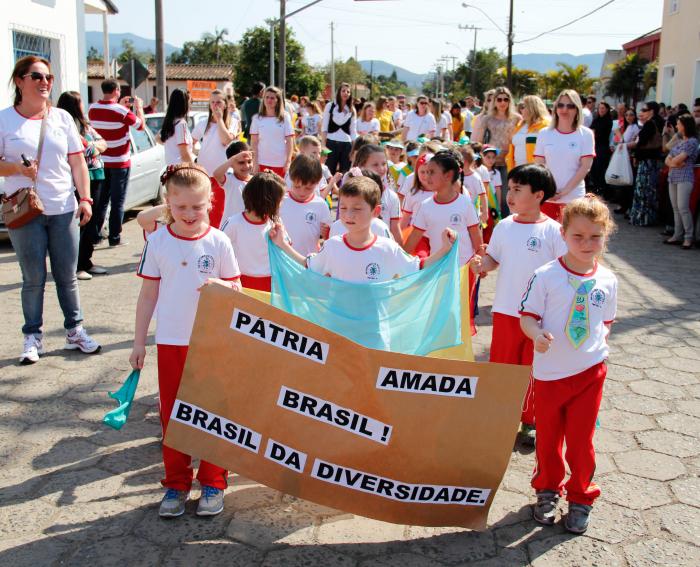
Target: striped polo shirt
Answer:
[[112, 121]]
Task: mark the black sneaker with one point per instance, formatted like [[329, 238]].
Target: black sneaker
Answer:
[[545, 510], [578, 517]]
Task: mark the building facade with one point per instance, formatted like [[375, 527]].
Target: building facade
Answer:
[[53, 29], [679, 58]]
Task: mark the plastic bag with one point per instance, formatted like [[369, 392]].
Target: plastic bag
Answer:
[[619, 170], [117, 417]]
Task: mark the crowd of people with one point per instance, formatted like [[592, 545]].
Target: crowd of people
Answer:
[[342, 185]]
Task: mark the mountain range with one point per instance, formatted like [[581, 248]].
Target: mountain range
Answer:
[[540, 62]]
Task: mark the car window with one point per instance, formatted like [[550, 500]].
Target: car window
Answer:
[[154, 123], [142, 140]]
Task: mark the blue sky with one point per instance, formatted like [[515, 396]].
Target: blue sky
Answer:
[[410, 33]]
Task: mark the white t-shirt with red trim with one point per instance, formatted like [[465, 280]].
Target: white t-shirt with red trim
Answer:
[[303, 221], [233, 188], [459, 214], [369, 127], [212, 153], [495, 178], [473, 186], [562, 154], [412, 202], [378, 227], [549, 297], [391, 206], [520, 248], [418, 125], [380, 261], [406, 184], [271, 142], [182, 265], [249, 240], [181, 137], [112, 121], [20, 135]]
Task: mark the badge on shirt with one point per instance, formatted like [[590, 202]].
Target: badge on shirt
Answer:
[[372, 271]]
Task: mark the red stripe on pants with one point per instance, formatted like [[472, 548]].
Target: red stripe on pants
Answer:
[[566, 410], [509, 345], [178, 466]]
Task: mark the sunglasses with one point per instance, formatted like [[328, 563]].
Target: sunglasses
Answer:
[[502, 99], [568, 105], [36, 76], [422, 102]]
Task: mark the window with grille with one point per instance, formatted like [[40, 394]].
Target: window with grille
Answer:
[[30, 44]]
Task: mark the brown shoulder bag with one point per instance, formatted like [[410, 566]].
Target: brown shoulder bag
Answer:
[[24, 204]]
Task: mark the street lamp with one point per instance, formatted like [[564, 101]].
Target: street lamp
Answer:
[[509, 37], [466, 55]]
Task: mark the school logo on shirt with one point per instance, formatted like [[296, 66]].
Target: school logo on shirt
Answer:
[[372, 270], [310, 217], [206, 264], [455, 219], [534, 244], [597, 297]]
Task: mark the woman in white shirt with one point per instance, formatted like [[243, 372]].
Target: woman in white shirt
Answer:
[[368, 124], [215, 133], [174, 133], [339, 129], [419, 122], [567, 149], [442, 128], [56, 174], [272, 135]]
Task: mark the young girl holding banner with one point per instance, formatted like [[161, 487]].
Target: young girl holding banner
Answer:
[[567, 310], [177, 261]]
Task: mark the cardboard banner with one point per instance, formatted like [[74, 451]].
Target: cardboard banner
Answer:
[[200, 91], [289, 404]]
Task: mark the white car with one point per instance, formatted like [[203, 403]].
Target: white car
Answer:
[[155, 121]]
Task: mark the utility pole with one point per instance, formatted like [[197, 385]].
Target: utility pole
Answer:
[[160, 56], [283, 46], [472, 86], [333, 62], [272, 23], [354, 86], [509, 69]]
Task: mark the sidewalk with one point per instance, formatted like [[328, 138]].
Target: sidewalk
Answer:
[[73, 492]]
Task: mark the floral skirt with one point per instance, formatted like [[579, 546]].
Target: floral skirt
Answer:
[[645, 202]]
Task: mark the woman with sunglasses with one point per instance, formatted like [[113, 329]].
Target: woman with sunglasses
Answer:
[[60, 167], [566, 148], [419, 122], [215, 133], [496, 129], [647, 151]]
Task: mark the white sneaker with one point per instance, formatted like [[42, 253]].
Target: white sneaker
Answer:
[[33, 347], [79, 339], [83, 275]]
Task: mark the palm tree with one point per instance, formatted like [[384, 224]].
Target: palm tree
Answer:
[[575, 78], [216, 39]]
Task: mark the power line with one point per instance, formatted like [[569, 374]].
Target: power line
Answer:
[[568, 23]]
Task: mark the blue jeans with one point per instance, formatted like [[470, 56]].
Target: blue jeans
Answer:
[[58, 235], [114, 189]]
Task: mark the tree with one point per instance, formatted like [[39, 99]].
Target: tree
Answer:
[[129, 52], [254, 63], [525, 81], [349, 71], [93, 55], [211, 49], [627, 78], [570, 77], [487, 62], [386, 86]]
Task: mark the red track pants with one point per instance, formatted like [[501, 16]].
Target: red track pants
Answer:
[[509, 345], [178, 466], [566, 410], [553, 210]]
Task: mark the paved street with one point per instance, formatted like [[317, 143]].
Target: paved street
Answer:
[[73, 492]]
